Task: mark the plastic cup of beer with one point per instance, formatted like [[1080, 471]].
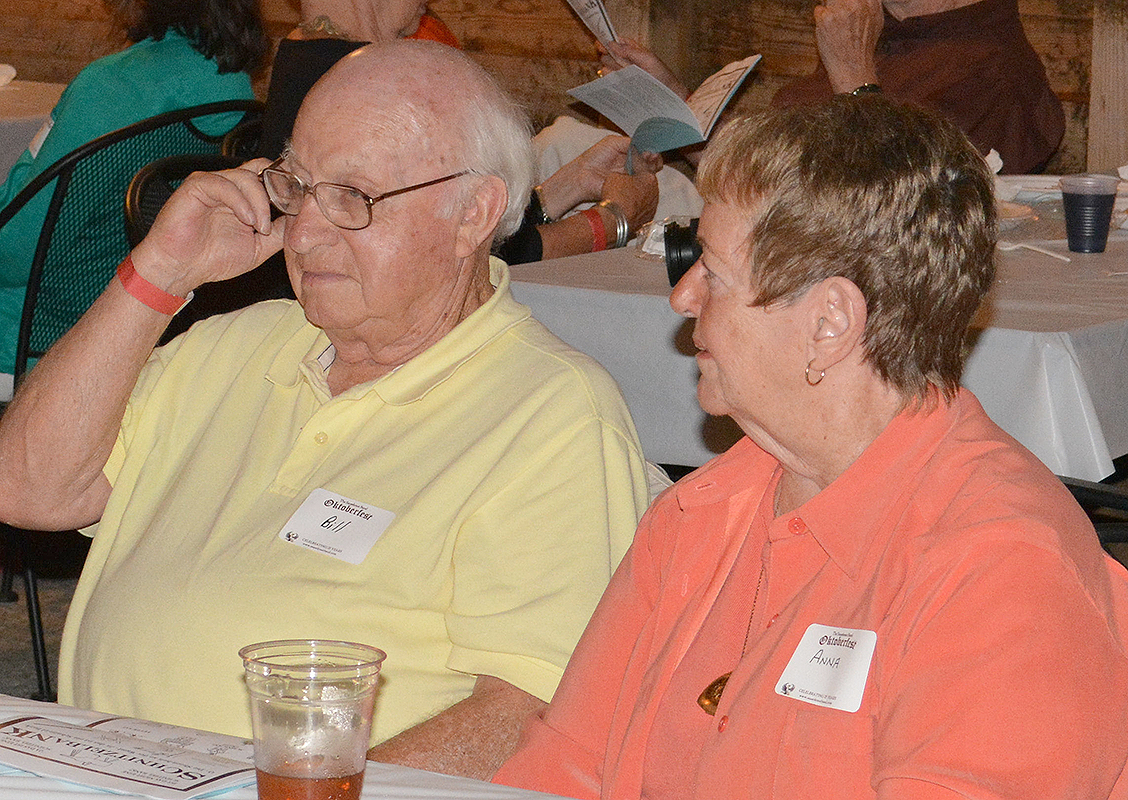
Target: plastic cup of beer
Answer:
[[311, 713], [1088, 201]]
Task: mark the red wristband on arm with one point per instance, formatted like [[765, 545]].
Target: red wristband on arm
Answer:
[[598, 232], [152, 296]]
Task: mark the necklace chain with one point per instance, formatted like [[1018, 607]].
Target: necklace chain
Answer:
[[322, 25], [710, 698]]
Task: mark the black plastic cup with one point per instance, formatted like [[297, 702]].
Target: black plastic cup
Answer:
[[1088, 201]]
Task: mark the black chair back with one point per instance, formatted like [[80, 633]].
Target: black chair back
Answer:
[[84, 235], [154, 184], [243, 140]]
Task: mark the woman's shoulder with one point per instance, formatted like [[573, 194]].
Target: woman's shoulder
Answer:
[[150, 58]]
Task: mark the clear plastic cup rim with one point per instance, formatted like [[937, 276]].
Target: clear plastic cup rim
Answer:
[[319, 659], [1089, 183]]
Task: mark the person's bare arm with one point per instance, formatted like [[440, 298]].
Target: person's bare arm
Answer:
[[599, 173], [582, 179], [635, 195], [846, 32], [471, 738], [58, 432]]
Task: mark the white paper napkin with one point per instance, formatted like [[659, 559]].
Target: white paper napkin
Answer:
[[7, 72], [994, 161]]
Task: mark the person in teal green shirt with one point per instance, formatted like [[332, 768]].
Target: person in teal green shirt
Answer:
[[184, 52]]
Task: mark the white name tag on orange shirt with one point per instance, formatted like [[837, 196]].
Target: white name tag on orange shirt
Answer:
[[333, 524], [829, 667]]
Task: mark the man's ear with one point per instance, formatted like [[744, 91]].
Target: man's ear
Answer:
[[481, 214], [836, 321]]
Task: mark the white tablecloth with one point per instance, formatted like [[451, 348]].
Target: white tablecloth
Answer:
[[383, 781], [24, 107], [1049, 363]]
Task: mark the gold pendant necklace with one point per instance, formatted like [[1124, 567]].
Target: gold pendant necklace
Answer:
[[711, 697]]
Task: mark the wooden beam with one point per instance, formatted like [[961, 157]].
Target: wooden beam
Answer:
[[1108, 98], [631, 19]]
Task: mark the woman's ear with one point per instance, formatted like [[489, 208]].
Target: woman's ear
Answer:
[[837, 319]]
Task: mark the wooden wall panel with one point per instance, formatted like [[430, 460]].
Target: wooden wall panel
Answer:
[[539, 49], [51, 40], [525, 29], [1108, 104]]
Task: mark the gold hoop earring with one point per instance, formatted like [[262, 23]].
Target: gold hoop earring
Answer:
[[807, 374]]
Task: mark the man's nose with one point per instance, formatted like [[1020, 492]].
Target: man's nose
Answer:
[[309, 227]]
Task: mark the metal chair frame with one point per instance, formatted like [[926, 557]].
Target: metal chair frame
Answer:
[[1094, 497]]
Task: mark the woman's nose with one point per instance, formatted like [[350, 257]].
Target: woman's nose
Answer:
[[685, 298]]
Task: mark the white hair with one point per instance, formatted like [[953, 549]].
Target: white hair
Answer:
[[489, 132], [431, 96], [497, 140]]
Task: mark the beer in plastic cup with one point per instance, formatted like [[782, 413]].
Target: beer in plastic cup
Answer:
[[311, 713]]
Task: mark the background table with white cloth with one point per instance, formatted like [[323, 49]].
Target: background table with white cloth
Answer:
[[24, 108], [384, 781], [1049, 362]]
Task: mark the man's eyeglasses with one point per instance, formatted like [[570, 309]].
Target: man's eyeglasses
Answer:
[[345, 206]]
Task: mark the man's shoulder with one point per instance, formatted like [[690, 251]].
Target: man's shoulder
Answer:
[[271, 323], [537, 357]]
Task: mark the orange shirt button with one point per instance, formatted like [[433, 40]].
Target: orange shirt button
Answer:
[[722, 724], [795, 525]]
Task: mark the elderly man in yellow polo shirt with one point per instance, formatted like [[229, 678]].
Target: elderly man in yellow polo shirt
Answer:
[[496, 473]]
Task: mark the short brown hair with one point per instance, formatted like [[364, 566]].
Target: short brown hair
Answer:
[[889, 196]]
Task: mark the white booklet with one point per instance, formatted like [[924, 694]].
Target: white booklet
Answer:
[[594, 14], [653, 116], [118, 754]]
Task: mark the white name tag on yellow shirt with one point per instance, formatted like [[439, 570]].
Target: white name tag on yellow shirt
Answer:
[[829, 667], [336, 526]]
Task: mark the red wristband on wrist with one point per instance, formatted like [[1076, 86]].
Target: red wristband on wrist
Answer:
[[152, 296], [598, 232]]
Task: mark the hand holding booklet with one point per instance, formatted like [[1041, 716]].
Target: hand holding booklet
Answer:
[[128, 755], [653, 116]]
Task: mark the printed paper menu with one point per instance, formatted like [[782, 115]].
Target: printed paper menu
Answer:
[[128, 755], [653, 116]]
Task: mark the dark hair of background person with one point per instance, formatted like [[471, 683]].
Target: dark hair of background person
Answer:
[[890, 196], [228, 31]]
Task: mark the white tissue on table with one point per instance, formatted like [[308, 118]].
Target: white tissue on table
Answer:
[[7, 72], [994, 161]]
